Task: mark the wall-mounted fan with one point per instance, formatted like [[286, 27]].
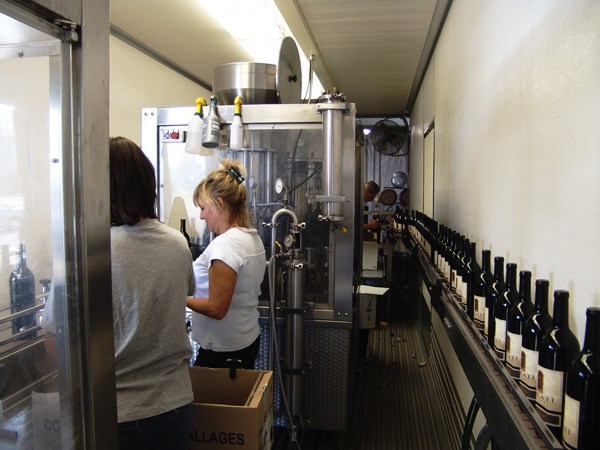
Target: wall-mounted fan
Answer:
[[388, 137]]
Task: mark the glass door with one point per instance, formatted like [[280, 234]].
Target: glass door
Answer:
[[43, 394]]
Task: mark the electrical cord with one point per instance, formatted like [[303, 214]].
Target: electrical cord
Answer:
[[310, 80]]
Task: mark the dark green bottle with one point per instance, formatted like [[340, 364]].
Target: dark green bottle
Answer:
[[22, 295]]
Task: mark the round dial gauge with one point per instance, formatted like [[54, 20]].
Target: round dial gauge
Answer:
[[288, 241], [279, 185], [388, 197]]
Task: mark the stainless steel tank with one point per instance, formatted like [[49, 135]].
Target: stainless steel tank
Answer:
[[261, 83], [256, 83]]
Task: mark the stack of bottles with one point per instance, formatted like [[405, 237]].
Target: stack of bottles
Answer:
[[537, 350]]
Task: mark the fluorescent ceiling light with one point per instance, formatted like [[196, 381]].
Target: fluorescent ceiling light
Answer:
[[259, 27]]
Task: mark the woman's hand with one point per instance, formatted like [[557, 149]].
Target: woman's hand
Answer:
[[221, 284]]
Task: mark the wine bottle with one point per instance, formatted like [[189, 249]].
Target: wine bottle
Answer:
[[516, 322], [480, 289], [461, 284], [582, 394], [211, 126], [22, 295], [494, 293], [502, 305], [473, 272], [533, 331], [184, 232], [557, 349]]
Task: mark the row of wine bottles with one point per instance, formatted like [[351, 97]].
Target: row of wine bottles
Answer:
[[539, 351]]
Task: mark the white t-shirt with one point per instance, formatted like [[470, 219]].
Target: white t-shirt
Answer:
[[243, 251]]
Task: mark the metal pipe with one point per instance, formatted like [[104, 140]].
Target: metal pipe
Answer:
[[273, 224], [332, 154], [295, 331]]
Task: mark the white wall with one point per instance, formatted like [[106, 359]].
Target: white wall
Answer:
[[516, 94], [138, 81], [515, 89]]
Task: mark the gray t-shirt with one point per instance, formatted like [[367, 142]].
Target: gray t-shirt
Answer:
[[151, 277]]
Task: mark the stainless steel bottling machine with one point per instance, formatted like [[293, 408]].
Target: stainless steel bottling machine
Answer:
[[303, 180]]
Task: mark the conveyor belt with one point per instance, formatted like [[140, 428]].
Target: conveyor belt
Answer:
[[398, 403], [402, 398]]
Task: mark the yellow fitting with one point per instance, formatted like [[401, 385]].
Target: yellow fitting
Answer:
[[238, 105], [200, 102], [344, 229]]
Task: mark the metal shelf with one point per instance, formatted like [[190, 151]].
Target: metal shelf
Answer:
[[514, 421]]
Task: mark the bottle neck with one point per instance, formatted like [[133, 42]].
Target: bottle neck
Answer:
[[525, 286], [485, 261], [22, 262], [591, 341], [511, 277], [499, 269], [541, 296], [560, 315]]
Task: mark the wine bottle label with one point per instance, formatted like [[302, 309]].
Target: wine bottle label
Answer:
[[453, 279], [486, 323], [479, 311], [463, 293], [571, 423], [513, 353], [500, 339], [549, 396], [529, 371]]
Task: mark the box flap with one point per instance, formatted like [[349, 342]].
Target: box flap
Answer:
[[376, 290], [214, 385]]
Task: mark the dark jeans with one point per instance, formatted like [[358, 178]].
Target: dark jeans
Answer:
[[168, 431], [209, 358]]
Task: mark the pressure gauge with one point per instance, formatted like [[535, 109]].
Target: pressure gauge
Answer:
[[252, 183], [279, 186], [288, 241]]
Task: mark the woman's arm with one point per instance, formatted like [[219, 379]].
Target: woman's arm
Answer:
[[221, 283]]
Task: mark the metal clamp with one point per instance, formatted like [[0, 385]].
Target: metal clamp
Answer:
[[330, 106], [305, 309], [332, 198]]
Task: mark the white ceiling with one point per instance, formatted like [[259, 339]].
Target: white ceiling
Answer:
[[374, 51]]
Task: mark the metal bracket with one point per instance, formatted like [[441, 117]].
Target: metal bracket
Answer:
[[70, 34], [332, 198], [302, 310], [332, 106]]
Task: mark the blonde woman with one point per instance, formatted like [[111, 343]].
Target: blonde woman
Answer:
[[228, 273]]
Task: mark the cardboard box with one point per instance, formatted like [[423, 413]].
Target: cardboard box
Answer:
[[232, 414], [368, 304]]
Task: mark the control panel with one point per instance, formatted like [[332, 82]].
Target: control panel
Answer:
[[172, 134]]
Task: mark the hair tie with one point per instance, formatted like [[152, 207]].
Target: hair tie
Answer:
[[235, 174]]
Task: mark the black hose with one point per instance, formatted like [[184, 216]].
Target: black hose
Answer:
[[469, 422], [485, 438]]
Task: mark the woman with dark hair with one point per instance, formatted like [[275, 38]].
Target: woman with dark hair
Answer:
[[151, 277], [228, 273], [152, 274]]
